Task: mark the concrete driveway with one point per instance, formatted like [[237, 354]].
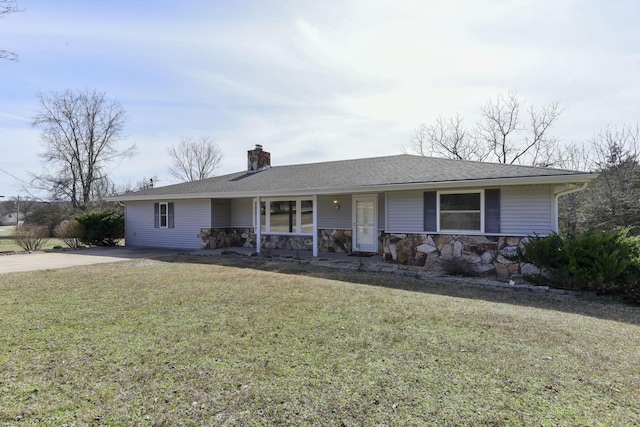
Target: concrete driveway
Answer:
[[70, 258]]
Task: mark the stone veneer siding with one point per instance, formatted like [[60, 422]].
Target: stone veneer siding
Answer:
[[220, 238], [334, 240], [482, 255], [217, 238], [340, 240], [296, 243]]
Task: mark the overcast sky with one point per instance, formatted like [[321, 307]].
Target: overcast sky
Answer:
[[312, 80]]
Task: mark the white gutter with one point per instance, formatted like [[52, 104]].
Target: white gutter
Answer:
[[557, 195]]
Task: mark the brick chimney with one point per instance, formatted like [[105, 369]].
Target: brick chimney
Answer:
[[258, 159]]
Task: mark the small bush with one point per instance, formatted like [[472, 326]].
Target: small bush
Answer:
[[31, 237], [69, 231], [101, 228], [547, 253], [598, 261], [590, 261]]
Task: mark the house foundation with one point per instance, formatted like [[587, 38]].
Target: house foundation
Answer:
[[335, 240], [220, 238], [294, 243], [457, 254]]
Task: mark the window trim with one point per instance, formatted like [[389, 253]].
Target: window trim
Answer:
[[170, 215], [166, 214], [466, 231], [298, 218]]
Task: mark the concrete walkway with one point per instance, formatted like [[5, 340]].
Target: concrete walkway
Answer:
[[52, 259], [46, 260]]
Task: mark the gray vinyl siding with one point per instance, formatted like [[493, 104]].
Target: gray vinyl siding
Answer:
[[241, 214], [526, 209], [405, 211], [189, 217], [331, 218], [220, 213], [523, 210]]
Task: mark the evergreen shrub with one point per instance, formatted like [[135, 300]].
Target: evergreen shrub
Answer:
[[101, 228], [590, 261]]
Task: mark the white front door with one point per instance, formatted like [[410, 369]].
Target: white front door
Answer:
[[365, 224]]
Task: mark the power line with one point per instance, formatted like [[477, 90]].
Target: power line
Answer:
[[15, 177]]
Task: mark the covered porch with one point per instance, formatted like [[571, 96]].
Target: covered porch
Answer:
[[317, 224]]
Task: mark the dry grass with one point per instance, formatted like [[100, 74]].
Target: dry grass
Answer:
[[204, 341]]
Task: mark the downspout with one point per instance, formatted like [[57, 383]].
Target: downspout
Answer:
[[557, 195]]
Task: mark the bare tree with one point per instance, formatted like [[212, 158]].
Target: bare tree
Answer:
[[8, 7], [502, 135], [512, 141], [447, 138], [572, 217], [614, 199], [575, 157], [80, 131], [194, 159]]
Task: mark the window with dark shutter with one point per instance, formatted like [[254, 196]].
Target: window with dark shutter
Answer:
[[163, 215]]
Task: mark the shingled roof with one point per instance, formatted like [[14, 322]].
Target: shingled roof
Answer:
[[360, 175]]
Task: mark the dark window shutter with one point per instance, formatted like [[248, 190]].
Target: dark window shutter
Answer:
[[492, 211], [170, 219], [156, 215], [430, 211]]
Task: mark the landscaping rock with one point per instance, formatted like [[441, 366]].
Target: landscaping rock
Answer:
[[426, 248], [457, 249], [529, 270]]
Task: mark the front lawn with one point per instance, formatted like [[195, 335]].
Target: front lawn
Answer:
[[211, 341]]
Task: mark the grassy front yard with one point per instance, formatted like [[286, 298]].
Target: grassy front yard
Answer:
[[204, 341]]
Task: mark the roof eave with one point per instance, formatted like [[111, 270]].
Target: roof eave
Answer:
[[375, 188]]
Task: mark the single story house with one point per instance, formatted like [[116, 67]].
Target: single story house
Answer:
[[408, 209], [12, 218]]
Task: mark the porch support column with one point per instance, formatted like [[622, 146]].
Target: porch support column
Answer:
[[315, 226], [258, 227]]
